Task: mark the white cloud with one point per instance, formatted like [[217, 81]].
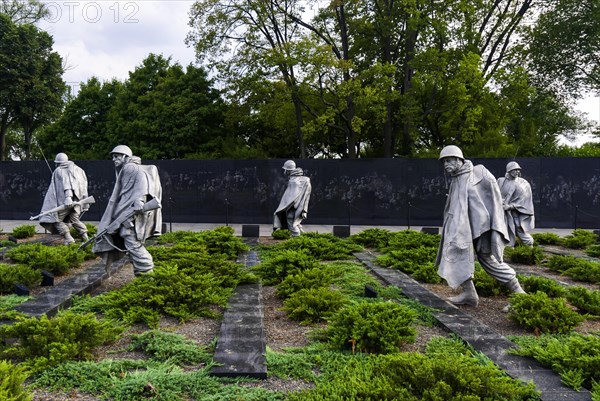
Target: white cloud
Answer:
[[107, 39]]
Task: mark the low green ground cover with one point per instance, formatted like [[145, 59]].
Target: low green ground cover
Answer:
[[576, 357], [358, 340]]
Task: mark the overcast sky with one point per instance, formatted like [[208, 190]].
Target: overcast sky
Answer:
[[108, 38]]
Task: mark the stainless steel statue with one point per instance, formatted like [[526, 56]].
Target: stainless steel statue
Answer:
[[132, 212], [517, 201], [473, 224], [293, 207], [65, 201]]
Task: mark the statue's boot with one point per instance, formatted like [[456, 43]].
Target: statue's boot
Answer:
[[515, 287], [468, 296], [68, 238]]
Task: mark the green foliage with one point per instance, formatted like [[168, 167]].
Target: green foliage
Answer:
[[44, 342], [11, 274], [182, 98], [417, 262], [579, 239], [487, 285], [12, 382], [408, 239], [351, 277], [596, 391], [413, 253], [313, 305], [372, 327], [56, 259], [278, 265], [170, 348], [282, 234], [577, 268], [547, 239], [93, 140], [8, 302], [554, 37], [374, 238], [543, 314], [320, 246], [90, 376], [134, 380], [32, 84], [24, 231], [411, 377], [297, 364], [172, 384], [91, 230], [189, 279], [524, 254], [179, 292], [310, 278], [220, 240], [550, 287], [593, 251], [576, 357], [587, 301], [7, 244]]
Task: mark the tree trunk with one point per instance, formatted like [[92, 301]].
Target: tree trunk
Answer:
[[349, 114], [411, 40], [3, 130], [299, 123]]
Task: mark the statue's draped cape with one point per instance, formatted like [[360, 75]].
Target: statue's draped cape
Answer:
[[296, 196], [67, 176], [473, 207], [517, 192], [134, 182]]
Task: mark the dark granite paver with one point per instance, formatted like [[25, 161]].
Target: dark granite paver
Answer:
[[59, 296], [241, 346], [479, 336]]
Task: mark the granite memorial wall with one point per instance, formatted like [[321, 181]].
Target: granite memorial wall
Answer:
[[381, 192]]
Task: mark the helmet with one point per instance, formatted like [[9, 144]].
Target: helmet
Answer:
[[289, 165], [123, 150], [451, 151], [512, 166], [61, 158]]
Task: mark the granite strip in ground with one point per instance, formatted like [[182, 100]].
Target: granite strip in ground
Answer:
[[479, 336]]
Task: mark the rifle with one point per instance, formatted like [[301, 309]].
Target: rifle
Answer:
[[85, 201], [153, 204]]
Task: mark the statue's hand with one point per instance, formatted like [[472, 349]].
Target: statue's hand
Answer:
[[138, 205], [68, 201], [303, 215]]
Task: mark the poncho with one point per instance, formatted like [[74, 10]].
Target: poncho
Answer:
[[296, 196], [133, 183], [473, 207], [67, 176], [517, 192]]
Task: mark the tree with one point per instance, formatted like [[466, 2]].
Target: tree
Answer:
[[564, 46], [82, 130], [164, 112], [237, 37], [31, 87], [24, 11]]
